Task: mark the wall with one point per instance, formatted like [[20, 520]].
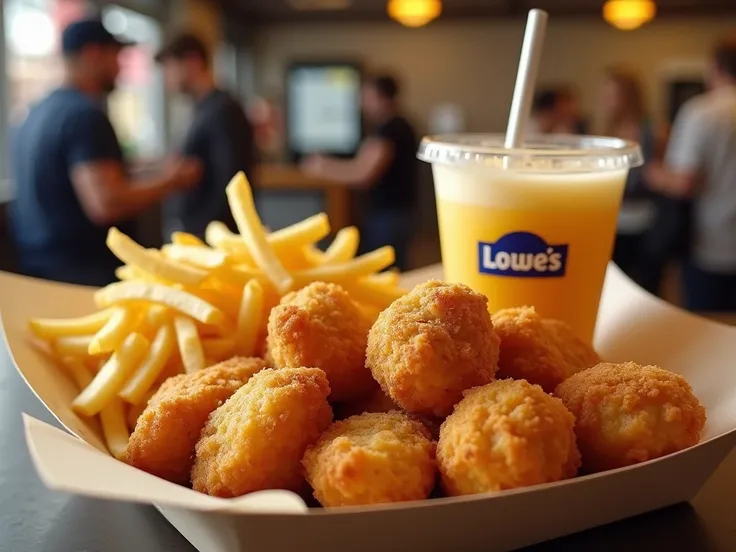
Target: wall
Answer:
[[473, 63]]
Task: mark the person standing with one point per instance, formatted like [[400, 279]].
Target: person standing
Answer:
[[220, 136], [385, 165], [626, 118], [69, 176], [700, 163]]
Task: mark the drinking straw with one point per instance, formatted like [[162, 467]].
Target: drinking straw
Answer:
[[526, 77]]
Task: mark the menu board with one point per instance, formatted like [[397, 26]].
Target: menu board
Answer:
[[323, 109]]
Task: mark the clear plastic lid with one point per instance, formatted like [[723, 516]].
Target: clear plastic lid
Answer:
[[558, 153]]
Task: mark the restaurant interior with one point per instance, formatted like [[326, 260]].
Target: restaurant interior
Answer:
[[455, 59]]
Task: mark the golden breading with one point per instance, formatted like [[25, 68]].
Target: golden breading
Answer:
[[540, 350], [256, 440], [320, 326], [168, 429], [432, 344], [627, 413], [372, 458], [377, 401], [505, 435]]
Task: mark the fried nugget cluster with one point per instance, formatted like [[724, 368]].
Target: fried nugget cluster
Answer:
[[167, 431], [429, 346], [321, 326], [435, 397], [505, 435], [256, 440], [372, 458], [627, 413], [540, 350]]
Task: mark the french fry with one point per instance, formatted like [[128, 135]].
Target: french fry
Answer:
[[250, 318], [190, 347], [341, 272], [115, 428], [184, 238], [117, 328], [224, 302], [112, 376], [343, 247], [73, 346], [76, 368], [387, 278], [128, 273], [112, 417], [150, 367], [218, 348], [243, 209], [296, 236], [370, 293], [153, 317], [48, 328], [219, 236], [289, 239], [237, 276], [197, 256], [179, 300], [152, 263]]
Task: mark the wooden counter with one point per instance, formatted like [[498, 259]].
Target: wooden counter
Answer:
[[284, 176]]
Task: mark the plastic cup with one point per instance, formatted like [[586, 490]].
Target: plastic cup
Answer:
[[532, 226]]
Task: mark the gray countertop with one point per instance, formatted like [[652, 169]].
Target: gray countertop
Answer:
[[34, 519]]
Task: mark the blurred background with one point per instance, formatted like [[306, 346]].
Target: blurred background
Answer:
[[296, 67]]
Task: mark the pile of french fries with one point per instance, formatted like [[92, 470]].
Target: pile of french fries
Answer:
[[192, 304]]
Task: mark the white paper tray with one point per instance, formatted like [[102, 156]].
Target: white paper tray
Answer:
[[632, 326]]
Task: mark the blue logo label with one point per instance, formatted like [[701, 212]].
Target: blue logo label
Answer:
[[524, 255]]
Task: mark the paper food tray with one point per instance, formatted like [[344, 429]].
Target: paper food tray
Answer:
[[632, 326]]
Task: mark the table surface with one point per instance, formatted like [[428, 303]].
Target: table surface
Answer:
[[35, 519]]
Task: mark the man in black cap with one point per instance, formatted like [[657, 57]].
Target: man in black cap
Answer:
[[220, 136], [69, 175]]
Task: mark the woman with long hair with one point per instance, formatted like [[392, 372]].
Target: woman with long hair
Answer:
[[626, 117]]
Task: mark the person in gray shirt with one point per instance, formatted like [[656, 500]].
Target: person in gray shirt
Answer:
[[701, 164]]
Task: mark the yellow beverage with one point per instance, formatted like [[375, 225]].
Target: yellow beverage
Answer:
[[531, 236]]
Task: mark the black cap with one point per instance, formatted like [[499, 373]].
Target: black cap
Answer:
[[181, 46], [82, 33]]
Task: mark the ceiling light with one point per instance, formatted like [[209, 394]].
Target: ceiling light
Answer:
[[414, 13], [627, 15]]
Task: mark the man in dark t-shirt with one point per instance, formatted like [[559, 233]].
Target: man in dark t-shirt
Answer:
[[385, 165], [69, 178], [220, 136]]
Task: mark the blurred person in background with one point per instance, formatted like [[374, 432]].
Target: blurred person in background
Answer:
[[544, 114], [626, 117], [700, 164], [220, 137], [385, 165], [69, 175], [556, 111]]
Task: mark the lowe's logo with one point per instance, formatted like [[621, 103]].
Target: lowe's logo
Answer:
[[524, 255]]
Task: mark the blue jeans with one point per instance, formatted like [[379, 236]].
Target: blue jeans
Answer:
[[387, 228], [708, 291]]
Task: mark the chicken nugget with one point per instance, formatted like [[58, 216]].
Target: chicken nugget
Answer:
[[168, 429], [505, 435], [543, 351], [321, 326], [430, 345], [372, 458], [628, 413], [256, 440]]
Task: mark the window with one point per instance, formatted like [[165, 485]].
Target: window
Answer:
[[136, 108], [32, 33]]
